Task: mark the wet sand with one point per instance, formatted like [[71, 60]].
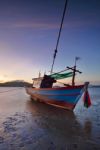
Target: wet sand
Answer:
[[28, 125]]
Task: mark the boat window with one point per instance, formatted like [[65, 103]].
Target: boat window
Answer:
[[37, 82]]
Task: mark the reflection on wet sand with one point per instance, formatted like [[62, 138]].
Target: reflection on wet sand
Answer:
[[60, 126], [54, 118], [29, 125], [87, 128]]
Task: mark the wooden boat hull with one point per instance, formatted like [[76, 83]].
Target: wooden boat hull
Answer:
[[64, 97]]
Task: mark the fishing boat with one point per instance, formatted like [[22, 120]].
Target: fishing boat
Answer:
[[66, 96]]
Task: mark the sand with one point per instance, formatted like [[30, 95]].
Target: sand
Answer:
[[28, 125]]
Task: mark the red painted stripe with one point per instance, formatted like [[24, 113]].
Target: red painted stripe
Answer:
[[45, 95], [45, 98], [58, 104], [63, 104], [60, 88]]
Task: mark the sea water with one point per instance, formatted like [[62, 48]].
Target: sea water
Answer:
[[29, 125]]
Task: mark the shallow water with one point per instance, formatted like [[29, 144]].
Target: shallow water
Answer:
[[27, 125]]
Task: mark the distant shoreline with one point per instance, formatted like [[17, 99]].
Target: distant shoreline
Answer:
[[16, 83], [94, 86]]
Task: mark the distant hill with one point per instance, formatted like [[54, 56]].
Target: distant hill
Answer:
[[16, 83]]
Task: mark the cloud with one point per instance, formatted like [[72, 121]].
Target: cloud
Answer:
[[73, 23], [27, 24]]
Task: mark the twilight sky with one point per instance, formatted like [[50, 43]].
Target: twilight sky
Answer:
[[28, 34]]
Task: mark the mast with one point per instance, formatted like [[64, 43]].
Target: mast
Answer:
[[74, 71], [56, 49]]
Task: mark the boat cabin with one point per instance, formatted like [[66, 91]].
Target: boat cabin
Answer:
[[37, 82], [47, 82], [43, 82]]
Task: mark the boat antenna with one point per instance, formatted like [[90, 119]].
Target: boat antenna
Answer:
[[56, 50]]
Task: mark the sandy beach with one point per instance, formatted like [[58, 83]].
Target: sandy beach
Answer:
[[29, 125]]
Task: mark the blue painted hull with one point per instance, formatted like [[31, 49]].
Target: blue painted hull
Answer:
[[64, 97]]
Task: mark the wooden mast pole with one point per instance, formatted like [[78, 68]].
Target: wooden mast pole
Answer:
[[73, 78], [74, 71], [55, 52]]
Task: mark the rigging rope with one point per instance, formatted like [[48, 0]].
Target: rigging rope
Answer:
[[55, 52]]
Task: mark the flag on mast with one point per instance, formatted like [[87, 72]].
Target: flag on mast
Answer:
[[77, 58]]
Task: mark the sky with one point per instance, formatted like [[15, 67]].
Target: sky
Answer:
[[28, 35]]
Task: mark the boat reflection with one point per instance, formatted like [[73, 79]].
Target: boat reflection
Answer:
[[54, 120], [57, 126], [87, 128]]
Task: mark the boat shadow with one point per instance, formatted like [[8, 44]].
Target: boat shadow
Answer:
[[55, 120], [57, 128]]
